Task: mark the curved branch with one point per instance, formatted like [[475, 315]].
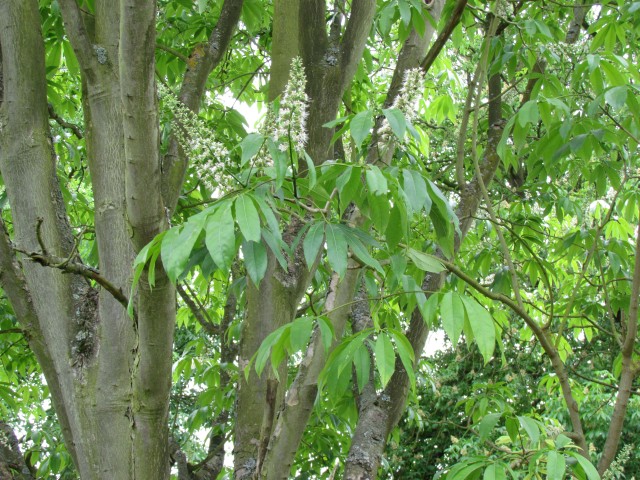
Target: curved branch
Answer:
[[67, 266]]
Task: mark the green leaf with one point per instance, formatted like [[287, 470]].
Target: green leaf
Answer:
[[405, 11], [255, 260], [616, 97], [376, 181], [177, 245], [415, 188], [587, 466], [385, 358], [336, 249], [326, 331], [531, 427], [405, 352], [495, 472], [425, 262], [262, 355], [299, 333], [311, 171], [396, 229], [250, 146], [528, 113], [247, 218], [555, 466], [358, 248], [452, 313], [487, 424], [220, 239], [396, 120], [362, 365], [312, 243], [379, 211], [512, 428], [360, 127], [482, 327]]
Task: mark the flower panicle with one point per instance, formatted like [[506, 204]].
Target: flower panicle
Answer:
[[193, 135]]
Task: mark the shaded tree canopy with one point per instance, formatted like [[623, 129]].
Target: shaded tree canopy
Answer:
[[229, 227]]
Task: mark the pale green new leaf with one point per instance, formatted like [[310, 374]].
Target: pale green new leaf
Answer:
[[531, 427], [495, 472]]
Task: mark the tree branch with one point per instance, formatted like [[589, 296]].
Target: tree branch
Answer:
[[629, 369], [63, 123], [444, 35], [67, 266]]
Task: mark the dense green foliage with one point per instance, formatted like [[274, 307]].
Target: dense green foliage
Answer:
[[549, 254]]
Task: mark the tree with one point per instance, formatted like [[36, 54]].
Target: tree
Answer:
[[311, 258]]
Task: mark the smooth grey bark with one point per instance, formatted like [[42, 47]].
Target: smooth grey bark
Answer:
[[111, 389], [51, 315]]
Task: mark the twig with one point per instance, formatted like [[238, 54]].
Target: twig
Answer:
[[63, 123], [173, 52], [67, 266], [197, 311]]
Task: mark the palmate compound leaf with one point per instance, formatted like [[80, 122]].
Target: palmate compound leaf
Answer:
[[482, 326], [341, 358]]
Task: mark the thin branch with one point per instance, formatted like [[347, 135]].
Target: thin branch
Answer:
[[173, 52], [67, 266], [197, 311], [8, 331], [444, 35], [63, 123]]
